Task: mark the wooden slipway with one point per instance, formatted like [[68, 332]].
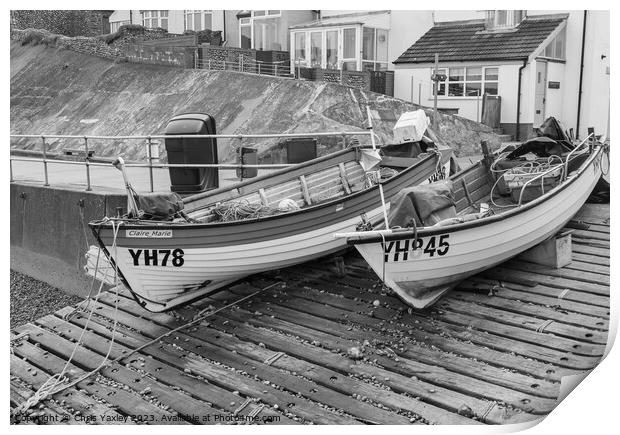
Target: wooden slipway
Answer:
[[327, 346]]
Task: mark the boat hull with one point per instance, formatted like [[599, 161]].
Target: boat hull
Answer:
[[168, 264], [444, 257]]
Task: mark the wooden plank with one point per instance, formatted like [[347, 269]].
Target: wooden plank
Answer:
[[119, 398], [594, 340], [403, 383], [316, 374], [590, 250], [479, 285], [165, 366], [304, 189], [579, 225], [589, 260], [343, 178], [601, 303], [535, 310], [582, 276], [419, 328], [321, 317], [501, 272], [248, 385], [583, 266], [90, 410]]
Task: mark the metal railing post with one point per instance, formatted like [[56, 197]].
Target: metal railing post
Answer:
[[344, 141], [258, 68], [241, 63], [276, 70], [88, 188], [150, 159], [11, 167], [44, 161], [209, 65]]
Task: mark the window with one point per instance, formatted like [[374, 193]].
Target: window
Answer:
[[300, 48], [257, 14], [557, 48], [245, 33], [374, 49], [260, 29], [501, 19], [155, 19], [198, 20], [468, 81], [349, 59], [265, 35], [316, 49], [331, 49]]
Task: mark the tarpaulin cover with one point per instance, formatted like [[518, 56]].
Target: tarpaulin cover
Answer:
[[427, 204], [160, 206], [552, 128]]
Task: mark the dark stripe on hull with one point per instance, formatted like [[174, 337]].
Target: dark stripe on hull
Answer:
[[257, 230]]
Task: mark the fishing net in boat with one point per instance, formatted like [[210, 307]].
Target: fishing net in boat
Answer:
[[241, 210], [373, 177]]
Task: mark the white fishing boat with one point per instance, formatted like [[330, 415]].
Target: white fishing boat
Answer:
[[464, 226], [266, 223]]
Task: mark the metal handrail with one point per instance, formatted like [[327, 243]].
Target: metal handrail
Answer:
[[149, 138], [554, 168], [573, 150], [195, 136], [563, 174]]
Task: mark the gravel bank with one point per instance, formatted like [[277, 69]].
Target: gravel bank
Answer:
[[31, 299]]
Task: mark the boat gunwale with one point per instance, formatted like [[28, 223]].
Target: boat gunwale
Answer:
[[433, 231], [154, 225]]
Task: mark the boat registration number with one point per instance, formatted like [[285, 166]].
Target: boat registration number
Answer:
[[401, 250], [157, 257]]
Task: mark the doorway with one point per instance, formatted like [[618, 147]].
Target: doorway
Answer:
[[540, 97]]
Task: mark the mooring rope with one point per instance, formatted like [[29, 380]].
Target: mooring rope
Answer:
[[53, 384]]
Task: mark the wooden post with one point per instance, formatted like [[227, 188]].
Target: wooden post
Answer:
[[488, 158], [411, 89]]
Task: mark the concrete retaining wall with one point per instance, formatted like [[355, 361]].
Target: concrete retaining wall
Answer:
[[156, 55], [50, 234]]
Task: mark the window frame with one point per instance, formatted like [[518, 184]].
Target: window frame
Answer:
[[203, 15], [374, 61], [445, 84], [155, 18]]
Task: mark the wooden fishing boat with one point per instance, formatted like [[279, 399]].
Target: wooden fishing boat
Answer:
[[484, 228], [169, 263]]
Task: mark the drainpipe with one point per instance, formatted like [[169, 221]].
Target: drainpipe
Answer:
[[518, 132], [583, 49], [224, 28]]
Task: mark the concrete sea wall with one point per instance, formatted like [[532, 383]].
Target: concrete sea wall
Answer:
[[50, 234]]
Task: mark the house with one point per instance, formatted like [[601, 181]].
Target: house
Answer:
[[538, 63], [252, 29], [174, 21], [355, 40]]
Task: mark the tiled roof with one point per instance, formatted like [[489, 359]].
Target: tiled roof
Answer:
[[469, 41]]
